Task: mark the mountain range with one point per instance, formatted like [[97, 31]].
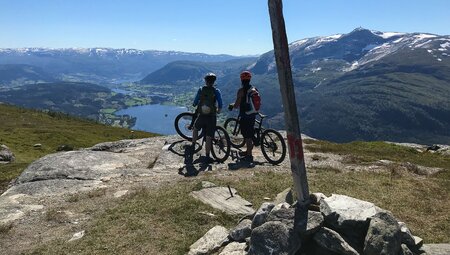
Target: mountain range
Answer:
[[363, 85]]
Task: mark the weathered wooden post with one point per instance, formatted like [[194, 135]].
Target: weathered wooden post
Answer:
[[281, 50]]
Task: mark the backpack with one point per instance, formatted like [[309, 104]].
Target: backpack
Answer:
[[254, 100], [207, 104]]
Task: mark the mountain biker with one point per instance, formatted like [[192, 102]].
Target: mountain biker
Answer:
[[208, 101], [247, 113]]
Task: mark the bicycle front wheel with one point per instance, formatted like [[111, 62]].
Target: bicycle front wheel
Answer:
[[273, 146], [233, 128], [220, 145], [184, 125]]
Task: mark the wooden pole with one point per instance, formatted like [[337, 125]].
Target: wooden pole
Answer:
[[281, 50]]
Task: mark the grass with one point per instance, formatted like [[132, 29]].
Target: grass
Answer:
[[21, 128], [168, 221], [373, 151]]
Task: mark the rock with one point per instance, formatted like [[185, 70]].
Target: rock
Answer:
[[418, 242], [331, 240], [406, 235], [405, 250], [206, 184], [6, 155], [349, 216], [261, 215], [284, 215], [284, 196], [65, 147], [221, 199], [210, 242], [37, 145], [120, 193], [241, 231], [437, 249], [77, 236], [315, 222], [383, 236], [315, 198], [234, 248], [273, 237], [77, 165]]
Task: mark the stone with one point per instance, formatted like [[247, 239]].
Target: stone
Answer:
[[349, 216], [383, 236], [207, 184], [6, 155], [120, 193], [234, 248], [406, 235], [284, 215], [65, 147], [261, 215], [418, 242], [331, 240], [284, 196], [77, 236], [405, 250], [210, 242], [221, 199], [273, 237], [315, 223], [315, 198], [241, 231], [436, 249]]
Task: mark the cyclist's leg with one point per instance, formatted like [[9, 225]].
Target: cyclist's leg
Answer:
[[210, 128], [248, 131]]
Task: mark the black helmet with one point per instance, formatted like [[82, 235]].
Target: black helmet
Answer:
[[210, 77]]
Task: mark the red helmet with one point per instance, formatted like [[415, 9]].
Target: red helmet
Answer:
[[246, 76]]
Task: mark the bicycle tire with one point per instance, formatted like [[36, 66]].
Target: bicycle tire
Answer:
[[271, 143], [182, 123], [221, 148], [236, 139]]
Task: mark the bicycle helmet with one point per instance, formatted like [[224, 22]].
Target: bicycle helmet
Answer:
[[210, 77], [246, 76]]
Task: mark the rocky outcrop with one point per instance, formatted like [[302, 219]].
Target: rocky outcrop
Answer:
[[344, 226], [6, 155]]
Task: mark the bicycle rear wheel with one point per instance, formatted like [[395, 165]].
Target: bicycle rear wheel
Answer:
[[233, 128], [221, 147], [184, 125], [273, 146]]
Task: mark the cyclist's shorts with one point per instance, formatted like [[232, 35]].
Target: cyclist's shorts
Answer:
[[207, 123], [247, 123]]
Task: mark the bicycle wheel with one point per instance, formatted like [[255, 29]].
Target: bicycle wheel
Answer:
[[220, 145], [184, 125], [273, 146], [233, 128]]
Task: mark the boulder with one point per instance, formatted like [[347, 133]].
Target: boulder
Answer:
[[349, 216], [284, 196], [210, 242], [383, 236], [405, 250], [234, 248], [315, 222], [315, 198], [241, 231], [273, 237], [6, 155], [436, 249], [284, 215], [406, 235], [261, 215], [221, 199], [331, 240]]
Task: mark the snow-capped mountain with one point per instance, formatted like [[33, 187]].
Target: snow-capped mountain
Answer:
[[357, 49], [100, 64]]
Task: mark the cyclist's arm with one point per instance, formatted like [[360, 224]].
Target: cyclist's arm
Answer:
[[237, 103], [219, 99], [197, 98]]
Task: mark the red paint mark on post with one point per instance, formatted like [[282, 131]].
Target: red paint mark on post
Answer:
[[295, 147]]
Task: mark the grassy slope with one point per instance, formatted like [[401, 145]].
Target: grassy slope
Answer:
[[21, 128], [168, 221]]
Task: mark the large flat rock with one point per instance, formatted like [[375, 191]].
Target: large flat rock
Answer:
[[221, 199]]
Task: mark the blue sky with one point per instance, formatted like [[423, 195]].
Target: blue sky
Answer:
[[238, 27]]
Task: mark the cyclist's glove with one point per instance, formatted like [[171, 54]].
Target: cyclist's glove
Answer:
[[230, 107]]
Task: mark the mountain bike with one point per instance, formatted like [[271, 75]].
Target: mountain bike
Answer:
[[273, 146], [221, 146]]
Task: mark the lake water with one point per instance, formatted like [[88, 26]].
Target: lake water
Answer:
[[154, 118]]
